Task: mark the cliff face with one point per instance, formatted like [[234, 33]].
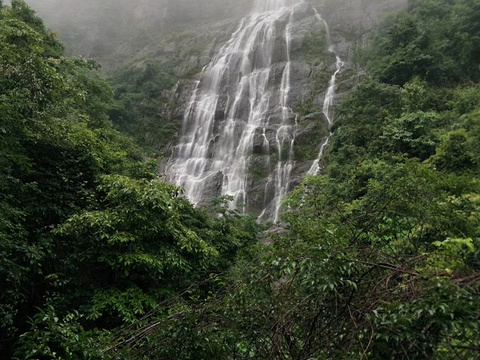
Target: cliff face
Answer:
[[188, 34], [240, 130], [353, 22], [312, 68]]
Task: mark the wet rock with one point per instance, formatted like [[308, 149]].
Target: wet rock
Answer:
[[260, 143], [309, 82], [213, 189]]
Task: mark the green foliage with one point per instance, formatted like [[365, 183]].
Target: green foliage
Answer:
[[55, 142], [436, 40], [89, 237], [315, 52], [21, 11], [135, 247], [380, 258], [306, 148], [411, 134], [144, 104], [315, 48], [55, 338]]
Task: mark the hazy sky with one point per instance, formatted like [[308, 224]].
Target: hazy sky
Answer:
[[110, 29], [106, 29]]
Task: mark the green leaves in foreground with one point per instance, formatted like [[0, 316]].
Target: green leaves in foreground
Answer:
[[133, 248], [381, 259]]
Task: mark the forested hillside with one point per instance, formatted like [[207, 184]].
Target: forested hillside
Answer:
[[381, 259], [89, 239], [378, 257]]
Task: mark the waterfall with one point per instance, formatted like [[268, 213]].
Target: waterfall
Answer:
[[272, 5], [329, 96], [243, 98], [235, 97], [284, 166]]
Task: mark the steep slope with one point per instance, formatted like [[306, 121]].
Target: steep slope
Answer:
[[258, 120], [240, 118], [379, 257], [156, 76]]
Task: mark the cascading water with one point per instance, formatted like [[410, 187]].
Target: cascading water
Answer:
[[329, 97], [235, 97], [284, 167], [240, 97], [273, 5]]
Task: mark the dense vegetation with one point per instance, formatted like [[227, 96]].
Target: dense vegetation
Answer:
[[145, 104], [381, 260], [89, 238], [382, 256]]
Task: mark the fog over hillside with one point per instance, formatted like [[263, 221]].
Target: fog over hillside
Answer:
[[121, 12], [112, 31], [97, 28]]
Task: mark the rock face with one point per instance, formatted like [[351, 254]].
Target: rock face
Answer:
[[241, 120], [287, 137], [352, 22], [114, 31], [284, 137]]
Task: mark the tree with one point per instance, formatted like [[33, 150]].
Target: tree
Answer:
[[134, 248]]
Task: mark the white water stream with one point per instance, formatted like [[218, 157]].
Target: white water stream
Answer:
[[329, 96], [237, 98]]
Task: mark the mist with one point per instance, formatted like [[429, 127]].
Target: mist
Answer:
[[120, 13], [112, 30], [92, 20]]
